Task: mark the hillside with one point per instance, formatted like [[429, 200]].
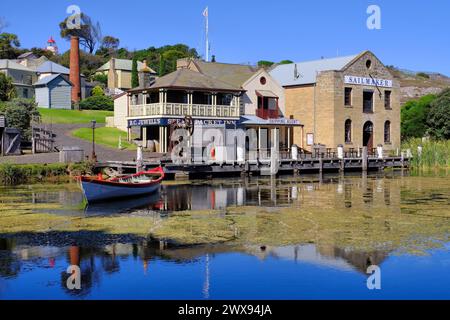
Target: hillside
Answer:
[[417, 84]]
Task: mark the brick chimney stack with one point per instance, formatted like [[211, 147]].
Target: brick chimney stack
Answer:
[[75, 69]]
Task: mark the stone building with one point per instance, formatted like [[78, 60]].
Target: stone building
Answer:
[[352, 101]]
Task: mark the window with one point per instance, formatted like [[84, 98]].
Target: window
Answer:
[[387, 132], [368, 64], [348, 131], [348, 97], [263, 80], [25, 93], [368, 102], [387, 99]]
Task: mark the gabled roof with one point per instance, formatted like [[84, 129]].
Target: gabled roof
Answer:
[[234, 74], [10, 64], [307, 71], [46, 80], [123, 64], [187, 79], [52, 67], [26, 55]]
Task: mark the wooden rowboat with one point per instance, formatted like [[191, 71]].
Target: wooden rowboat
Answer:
[[143, 183]]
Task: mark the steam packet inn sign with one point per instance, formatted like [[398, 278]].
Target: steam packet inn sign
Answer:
[[198, 122], [368, 81]]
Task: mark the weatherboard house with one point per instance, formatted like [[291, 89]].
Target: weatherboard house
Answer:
[[53, 92], [353, 101], [219, 96]]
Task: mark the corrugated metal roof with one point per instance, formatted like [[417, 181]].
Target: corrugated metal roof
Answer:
[[234, 74], [52, 67], [10, 64], [184, 78], [123, 64], [307, 71], [46, 80]]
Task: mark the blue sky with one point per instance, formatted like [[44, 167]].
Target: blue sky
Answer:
[[414, 34]]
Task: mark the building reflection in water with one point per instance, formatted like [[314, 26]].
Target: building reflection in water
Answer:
[[307, 192]]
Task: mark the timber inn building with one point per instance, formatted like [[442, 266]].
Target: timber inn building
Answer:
[[350, 101]]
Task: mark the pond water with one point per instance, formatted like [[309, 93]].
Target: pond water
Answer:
[[306, 237]]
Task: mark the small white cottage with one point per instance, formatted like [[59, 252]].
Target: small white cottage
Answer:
[[53, 92]]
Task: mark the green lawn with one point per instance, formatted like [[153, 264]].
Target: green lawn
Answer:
[[73, 116], [108, 137]]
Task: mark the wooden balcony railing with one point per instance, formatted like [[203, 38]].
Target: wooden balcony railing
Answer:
[[181, 109]]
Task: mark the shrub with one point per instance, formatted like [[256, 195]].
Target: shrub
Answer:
[[19, 113], [7, 89], [102, 78], [97, 103], [11, 174], [423, 75], [98, 91]]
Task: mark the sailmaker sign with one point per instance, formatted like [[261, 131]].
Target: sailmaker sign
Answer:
[[368, 81]]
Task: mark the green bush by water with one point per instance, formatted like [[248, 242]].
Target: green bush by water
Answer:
[[435, 154], [12, 174]]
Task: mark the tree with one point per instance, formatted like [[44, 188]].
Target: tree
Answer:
[[97, 91], [265, 63], [286, 62], [19, 113], [89, 63], [439, 116], [108, 46], [7, 89], [134, 74], [414, 115], [100, 77], [9, 46], [162, 66], [88, 32]]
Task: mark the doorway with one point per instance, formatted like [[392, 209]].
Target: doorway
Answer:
[[368, 136]]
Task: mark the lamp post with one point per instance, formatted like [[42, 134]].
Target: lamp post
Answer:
[[93, 156]]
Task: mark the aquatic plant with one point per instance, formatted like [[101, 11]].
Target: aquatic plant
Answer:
[[12, 174], [435, 154]]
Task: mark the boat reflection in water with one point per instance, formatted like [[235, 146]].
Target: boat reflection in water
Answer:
[[127, 205]]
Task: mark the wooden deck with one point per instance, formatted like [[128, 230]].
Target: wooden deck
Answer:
[[262, 167]]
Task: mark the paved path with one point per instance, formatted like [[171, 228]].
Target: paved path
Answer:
[[65, 139]]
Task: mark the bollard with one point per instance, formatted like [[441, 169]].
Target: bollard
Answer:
[[364, 157], [380, 151], [294, 152], [340, 151], [240, 154]]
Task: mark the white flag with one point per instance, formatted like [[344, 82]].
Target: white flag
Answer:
[[205, 12]]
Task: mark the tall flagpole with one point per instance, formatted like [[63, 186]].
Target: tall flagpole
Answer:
[[206, 14]]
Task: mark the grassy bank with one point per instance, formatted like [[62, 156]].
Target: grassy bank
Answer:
[[435, 154], [73, 116], [108, 137], [12, 174]]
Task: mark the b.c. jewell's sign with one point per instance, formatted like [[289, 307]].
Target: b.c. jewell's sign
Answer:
[[368, 81]]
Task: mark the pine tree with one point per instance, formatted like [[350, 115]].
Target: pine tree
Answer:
[[162, 66], [134, 74]]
